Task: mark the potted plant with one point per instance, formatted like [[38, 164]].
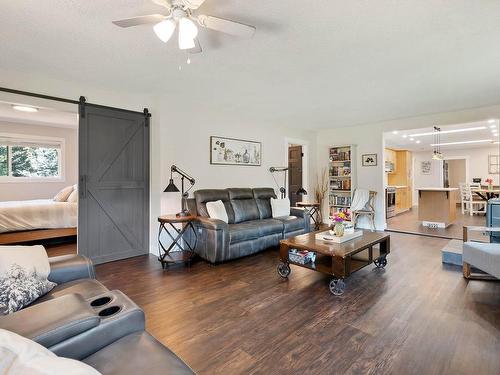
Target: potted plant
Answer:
[[320, 190], [489, 181], [338, 223]]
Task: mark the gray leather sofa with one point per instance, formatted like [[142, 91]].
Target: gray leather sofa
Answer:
[[81, 319], [250, 228]]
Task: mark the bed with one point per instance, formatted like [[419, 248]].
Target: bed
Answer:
[[29, 220]]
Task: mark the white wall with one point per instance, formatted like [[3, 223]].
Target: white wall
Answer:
[[42, 190], [369, 139]]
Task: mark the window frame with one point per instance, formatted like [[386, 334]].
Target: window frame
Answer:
[[35, 139]]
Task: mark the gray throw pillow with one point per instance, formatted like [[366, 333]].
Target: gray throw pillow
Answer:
[[19, 288]]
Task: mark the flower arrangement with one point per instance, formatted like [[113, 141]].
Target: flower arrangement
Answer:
[[489, 181], [338, 219]]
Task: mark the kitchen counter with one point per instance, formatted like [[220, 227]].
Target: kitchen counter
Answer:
[[436, 207], [397, 186]]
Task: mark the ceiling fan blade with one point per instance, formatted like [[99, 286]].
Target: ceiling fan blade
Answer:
[[141, 20], [164, 3], [227, 26], [197, 48], [193, 4]]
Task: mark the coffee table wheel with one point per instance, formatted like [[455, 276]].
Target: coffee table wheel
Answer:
[[337, 287], [284, 270], [380, 262]]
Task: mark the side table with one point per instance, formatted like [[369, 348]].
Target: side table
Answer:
[[166, 256], [313, 209]]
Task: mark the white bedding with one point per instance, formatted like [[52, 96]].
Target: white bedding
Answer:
[[37, 214]]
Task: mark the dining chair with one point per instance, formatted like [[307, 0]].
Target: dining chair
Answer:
[[468, 203]]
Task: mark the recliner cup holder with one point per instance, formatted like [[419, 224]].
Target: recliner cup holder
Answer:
[[108, 311], [100, 301]]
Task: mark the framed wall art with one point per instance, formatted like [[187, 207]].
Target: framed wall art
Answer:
[[230, 151], [369, 160]]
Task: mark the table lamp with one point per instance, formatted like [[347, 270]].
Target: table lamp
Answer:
[[171, 188]]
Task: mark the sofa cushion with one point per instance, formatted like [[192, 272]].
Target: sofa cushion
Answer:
[[211, 195], [216, 210], [244, 205], [280, 207], [87, 288], [250, 230], [263, 197], [291, 223], [144, 355]]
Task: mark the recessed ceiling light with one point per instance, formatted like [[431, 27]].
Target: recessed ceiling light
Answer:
[[24, 108], [412, 139], [404, 136], [417, 142], [491, 121], [462, 142], [450, 131], [395, 132]]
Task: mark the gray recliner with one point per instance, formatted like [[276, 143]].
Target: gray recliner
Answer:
[[250, 228], [81, 319]]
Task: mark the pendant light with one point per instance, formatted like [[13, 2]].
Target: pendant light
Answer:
[[164, 30], [187, 33], [437, 155]]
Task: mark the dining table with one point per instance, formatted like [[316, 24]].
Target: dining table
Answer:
[[486, 194]]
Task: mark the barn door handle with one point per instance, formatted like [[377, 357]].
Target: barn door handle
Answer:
[[83, 186]]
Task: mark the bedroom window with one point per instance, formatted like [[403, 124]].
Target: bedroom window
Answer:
[[29, 159]]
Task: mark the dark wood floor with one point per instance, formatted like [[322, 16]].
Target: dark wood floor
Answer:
[[416, 317], [408, 222]]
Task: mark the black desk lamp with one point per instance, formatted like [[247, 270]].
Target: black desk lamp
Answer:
[[171, 188], [274, 170], [301, 191]]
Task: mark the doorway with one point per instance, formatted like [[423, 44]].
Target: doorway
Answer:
[[454, 173], [295, 156]]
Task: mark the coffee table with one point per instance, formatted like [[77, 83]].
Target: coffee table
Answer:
[[337, 259]]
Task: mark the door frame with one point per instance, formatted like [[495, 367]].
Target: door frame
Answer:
[[466, 158], [305, 163]]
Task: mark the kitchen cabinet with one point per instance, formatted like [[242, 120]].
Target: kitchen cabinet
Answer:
[[390, 161], [401, 179]]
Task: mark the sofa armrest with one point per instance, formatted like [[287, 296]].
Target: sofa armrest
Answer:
[[299, 212], [53, 321], [66, 268], [213, 224]]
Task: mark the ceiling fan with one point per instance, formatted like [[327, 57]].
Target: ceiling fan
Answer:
[[180, 13]]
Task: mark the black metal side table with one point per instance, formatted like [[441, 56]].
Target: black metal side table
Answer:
[[313, 209], [166, 256]]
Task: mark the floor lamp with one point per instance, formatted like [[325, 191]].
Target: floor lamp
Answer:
[[274, 170]]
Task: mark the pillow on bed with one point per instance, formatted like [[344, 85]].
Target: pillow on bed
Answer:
[[23, 276], [63, 194], [73, 197]]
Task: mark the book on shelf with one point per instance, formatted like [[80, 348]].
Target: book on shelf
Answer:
[[340, 154], [340, 200], [344, 184], [340, 171]]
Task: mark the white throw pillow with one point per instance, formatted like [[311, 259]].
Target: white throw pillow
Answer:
[[63, 194], [31, 258], [19, 355], [73, 197], [280, 207], [216, 210]]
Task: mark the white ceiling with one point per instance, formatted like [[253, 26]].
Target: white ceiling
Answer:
[[317, 64], [413, 140], [46, 116]]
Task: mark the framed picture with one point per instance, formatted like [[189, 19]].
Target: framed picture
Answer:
[[369, 160], [493, 164], [426, 167], [230, 151]]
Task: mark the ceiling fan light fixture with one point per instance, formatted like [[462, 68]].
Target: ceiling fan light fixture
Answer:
[[164, 30], [187, 33]]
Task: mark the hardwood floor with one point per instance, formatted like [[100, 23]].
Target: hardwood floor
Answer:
[[415, 317], [408, 222]]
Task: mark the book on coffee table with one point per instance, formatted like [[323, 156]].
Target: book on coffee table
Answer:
[[328, 237]]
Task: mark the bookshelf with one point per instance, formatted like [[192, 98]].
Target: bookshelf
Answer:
[[341, 179]]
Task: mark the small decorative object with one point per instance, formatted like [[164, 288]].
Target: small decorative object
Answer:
[[338, 226], [369, 160], [489, 181], [426, 167], [229, 151], [320, 190]]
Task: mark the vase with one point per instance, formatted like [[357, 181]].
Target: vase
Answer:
[[338, 228], [490, 187]]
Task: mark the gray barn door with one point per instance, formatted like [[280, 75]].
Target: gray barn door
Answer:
[[113, 211]]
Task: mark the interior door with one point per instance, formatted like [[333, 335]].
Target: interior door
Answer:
[[294, 173], [113, 214]]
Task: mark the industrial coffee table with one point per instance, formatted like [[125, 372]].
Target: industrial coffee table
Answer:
[[337, 259]]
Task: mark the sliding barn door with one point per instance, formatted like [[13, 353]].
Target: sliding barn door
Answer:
[[113, 215]]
